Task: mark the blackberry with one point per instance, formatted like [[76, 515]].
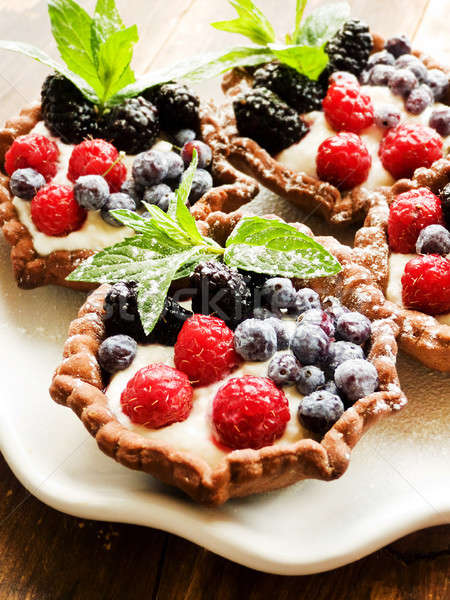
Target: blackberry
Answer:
[[301, 93], [122, 316], [132, 126], [177, 104], [221, 291], [264, 117], [66, 112], [350, 47]]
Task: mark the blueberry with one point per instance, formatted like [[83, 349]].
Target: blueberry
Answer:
[[117, 352], [278, 292], [204, 153], [356, 378], [150, 167], [387, 116], [383, 57], [134, 190], [338, 353], [419, 99], [319, 411], [414, 64], [25, 183], [434, 239], [380, 74], [115, 201], [402, 81], [201, 184], [333, 307], [305, 300], [331, 387], [317, 316], [184, 136], [283, 369], [398, 46], [91, 191], [255, 340], [281, 331], [440, 121], [160, 195], [353, 327], [310, 379], [437, 80], [175, 165], [263, 313], [310, 344]]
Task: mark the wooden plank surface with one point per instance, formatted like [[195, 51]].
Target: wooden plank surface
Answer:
[[48, 555]]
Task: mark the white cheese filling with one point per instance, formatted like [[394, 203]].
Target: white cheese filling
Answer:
[[95, 233], [194, 435], [301, 156], [397, 264]]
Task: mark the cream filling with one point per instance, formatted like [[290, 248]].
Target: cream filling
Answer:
[[95, 233], [302, 155], [194, 435], [397, 264]]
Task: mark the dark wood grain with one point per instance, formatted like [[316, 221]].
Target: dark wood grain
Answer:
[[46, 555]]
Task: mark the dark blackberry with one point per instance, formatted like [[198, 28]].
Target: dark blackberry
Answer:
[[66, 112], [133, 126], [177, 104], [295, 89], [221, 291], [264, 117], [122, 316], [349, 48]]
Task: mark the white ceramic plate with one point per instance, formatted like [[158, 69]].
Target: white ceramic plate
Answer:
[[397, 482]]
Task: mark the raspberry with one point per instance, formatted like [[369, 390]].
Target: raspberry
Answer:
[[157, 396], [347, 108], [55, 211], [34, 151], [410, 213], [408, 147], [205, 350], [249, 412], [426, 284], [96, 157], [343, 160]]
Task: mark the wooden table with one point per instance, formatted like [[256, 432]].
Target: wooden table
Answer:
[[48, 555]]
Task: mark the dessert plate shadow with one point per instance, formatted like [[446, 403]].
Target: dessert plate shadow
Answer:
[[395, 483]]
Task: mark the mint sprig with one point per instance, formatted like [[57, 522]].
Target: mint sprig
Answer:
[[168, 246], [251, 22]]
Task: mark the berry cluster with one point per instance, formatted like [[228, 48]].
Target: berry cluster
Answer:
[[419, 222], [319, 348], [99, 177]]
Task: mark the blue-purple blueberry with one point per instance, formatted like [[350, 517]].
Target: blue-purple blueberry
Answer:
[[440, 121], [414, 64], [204, 153], [25, 183], [383, 57], [306, 299], [387, 116], [434, 239], [160, 195], [310, 344], [419, 99], [278, 292], [356, 379], [281, 331], [255, 340], [91, 191], [402, 82], [114, 202], [398, 46], [438, 81], [117, 352], [150, 167], [283, 369], [338, 353], [201, 184], [319, 411], [310, 379], [353, 327], [317, 316], [380, 74]]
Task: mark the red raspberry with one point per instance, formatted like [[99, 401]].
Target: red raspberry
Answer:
[[157, 396], [55, 211], [204, 350], [343, 160], [426, 284], [35, 152], [249, 412], [347, 108], [409, 213], [343, 78], [95, 157], [405, 148]]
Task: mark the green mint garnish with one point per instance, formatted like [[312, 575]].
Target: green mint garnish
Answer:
[[168, 246], [251, 22]]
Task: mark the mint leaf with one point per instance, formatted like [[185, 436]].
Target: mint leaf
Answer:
[[308, 60], [322, 24], [42, 57], [71, 28], [198, 68], [106, 21], [268, 246], [251, 22], [299, 10], [114, 58]]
